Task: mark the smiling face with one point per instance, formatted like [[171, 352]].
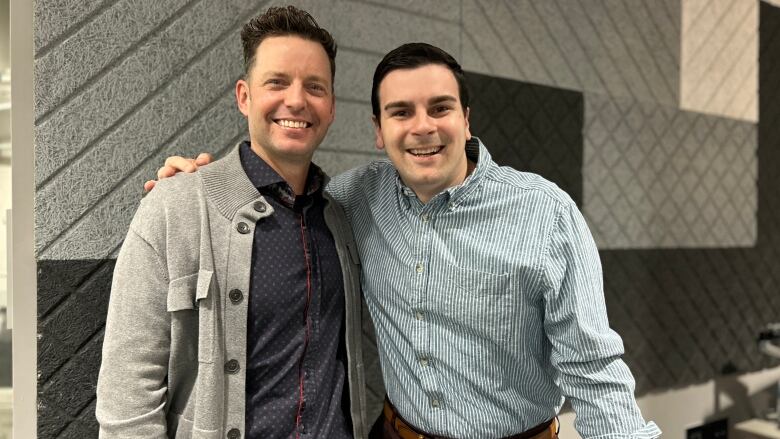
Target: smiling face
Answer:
[[423, 128], [288, 100]]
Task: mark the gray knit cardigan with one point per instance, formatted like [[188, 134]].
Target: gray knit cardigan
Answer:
[[171, 329]]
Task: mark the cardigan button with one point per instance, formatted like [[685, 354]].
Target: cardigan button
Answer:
[[236, 296], [243, 228], [259, 206], [232, 366], [234, 433]]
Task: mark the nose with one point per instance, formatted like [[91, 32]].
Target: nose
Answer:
[[423, 124], [295, 98]]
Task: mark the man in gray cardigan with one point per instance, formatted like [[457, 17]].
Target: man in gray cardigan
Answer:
[[235, 307]]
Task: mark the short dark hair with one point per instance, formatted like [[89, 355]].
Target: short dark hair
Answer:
[[413, 55], [284, 21]]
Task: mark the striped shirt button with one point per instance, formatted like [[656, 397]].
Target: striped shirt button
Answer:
[[419, 315], [419, 267], [424, 361], [435, 403], [425, 217]]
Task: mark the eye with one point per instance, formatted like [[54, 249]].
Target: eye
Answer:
[[274, 83], [399, 114], [317, 89], [441, 109]]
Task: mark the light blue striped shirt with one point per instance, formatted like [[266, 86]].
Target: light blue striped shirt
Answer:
[[488, 304]]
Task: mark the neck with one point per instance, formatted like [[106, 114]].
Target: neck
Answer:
[[293, 171]]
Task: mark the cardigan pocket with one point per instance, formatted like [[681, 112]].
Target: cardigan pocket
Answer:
[[193, 294]]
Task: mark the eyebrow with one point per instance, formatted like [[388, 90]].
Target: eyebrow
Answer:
[[273, 73], [432, 101]]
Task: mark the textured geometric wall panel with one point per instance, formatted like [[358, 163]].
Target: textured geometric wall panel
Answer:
[[687, 316], [93, 140], [619, 48], [530, 127], [658, 177], [719, 58], [69, 349]]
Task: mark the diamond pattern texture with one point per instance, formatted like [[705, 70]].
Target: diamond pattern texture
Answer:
[[530, 127], [719, 58], [621, 48], [688, 316], [658, 177]]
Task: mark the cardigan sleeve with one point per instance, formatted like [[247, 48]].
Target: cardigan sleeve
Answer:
[[131, 389]]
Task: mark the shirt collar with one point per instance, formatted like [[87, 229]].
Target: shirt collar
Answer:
[[263, 176]]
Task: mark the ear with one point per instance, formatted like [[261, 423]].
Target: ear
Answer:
[[466, 116], [333, 109], [243, 98], [380, 144]]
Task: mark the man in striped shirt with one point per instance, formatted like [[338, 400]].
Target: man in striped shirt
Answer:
[[484, 283]]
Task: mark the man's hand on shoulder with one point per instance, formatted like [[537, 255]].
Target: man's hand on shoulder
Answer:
[[175, 164]]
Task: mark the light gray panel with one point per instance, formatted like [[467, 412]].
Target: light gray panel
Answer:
[[380, 29], [97, 233], [719, 73], [659, 177], [354, 72], [83, 55], [484, 48], [448, 10], [616, 47], [78, 186], [334, 163], [80, 121], [352, 131], [55, 18]]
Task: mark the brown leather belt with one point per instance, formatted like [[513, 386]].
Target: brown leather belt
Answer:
[[545, 430]]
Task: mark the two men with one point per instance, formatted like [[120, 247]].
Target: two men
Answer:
[[483, 283], [235, 308]]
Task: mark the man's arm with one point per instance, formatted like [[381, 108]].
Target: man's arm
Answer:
[[585, 351], [175, 163], [131, 390]]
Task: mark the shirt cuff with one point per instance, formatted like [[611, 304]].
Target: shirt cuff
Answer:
[[649, 431]]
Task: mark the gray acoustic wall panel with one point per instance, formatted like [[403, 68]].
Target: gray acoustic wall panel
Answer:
[[533, 128], [69, 348], [689, 315], [618, 48], [719, 58], [660, 177]]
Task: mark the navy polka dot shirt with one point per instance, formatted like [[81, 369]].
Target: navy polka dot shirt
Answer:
[[296, 360]]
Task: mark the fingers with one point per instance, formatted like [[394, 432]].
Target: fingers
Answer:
[[178, 163], [149, 185], [165, 172], [203, 158]]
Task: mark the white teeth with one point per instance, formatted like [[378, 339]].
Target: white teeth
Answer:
[[425, 151], [292, 123]]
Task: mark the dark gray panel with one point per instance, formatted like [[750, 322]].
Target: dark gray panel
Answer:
[[84, 426], [532, 128], [69, 395], [67, 326]]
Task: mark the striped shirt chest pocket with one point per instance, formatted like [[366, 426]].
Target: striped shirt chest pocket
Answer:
[[477, 304]]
